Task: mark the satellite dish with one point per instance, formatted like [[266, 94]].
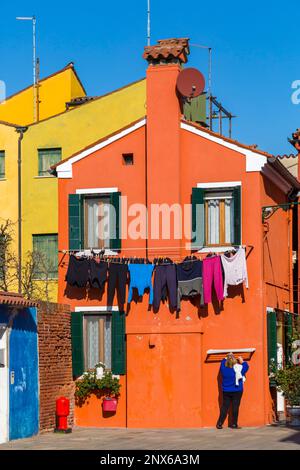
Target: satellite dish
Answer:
[[190, 83]]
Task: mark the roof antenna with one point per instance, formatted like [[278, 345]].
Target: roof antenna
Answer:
[[148, 22]]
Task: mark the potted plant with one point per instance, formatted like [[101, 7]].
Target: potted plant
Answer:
[[111, 387], [108, 387], [287, 380]]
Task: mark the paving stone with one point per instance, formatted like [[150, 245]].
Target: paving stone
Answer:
[[268, 437]]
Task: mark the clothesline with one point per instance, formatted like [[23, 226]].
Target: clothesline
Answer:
[[190, 248], [188, 278]]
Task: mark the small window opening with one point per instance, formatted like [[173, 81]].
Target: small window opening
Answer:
[[127, 158]]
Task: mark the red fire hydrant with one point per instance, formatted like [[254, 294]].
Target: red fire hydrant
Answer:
[[62, 412]]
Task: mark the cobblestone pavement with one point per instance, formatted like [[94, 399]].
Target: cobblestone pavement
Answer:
[[268, 437]]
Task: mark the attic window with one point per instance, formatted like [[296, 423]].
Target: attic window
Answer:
[[127, 158]]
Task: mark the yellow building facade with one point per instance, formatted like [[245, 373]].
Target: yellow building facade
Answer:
[[54, 92], [58, 136]]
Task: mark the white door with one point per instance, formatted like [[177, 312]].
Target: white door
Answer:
[[3, 384]]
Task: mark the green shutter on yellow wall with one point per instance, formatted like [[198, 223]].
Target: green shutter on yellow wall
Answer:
[[198, 218], [75, 222], [118, 350], [77, 343]]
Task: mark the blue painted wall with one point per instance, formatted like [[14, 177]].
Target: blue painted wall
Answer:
[[23, 360]]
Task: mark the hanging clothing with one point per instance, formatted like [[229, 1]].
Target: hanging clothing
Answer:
[[98, 273], [189, 279], [165, 278], [117, 279], [140, 278], [78, 271], [235, 269], [212, 274], [238, 368]]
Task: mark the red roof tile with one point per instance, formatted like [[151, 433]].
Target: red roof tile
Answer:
[[16, 300], [174, 48]]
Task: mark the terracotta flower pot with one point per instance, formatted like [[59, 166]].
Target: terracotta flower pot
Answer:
[[109, 404]]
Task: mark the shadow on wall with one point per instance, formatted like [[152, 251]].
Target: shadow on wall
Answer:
[[23, 320]]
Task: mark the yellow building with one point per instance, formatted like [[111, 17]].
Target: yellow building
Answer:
[[54, 92], [54, 138]]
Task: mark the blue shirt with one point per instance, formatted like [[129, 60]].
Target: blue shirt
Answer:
[[228, 377], [140, 278]]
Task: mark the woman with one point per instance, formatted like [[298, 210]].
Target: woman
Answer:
[[233, 376]]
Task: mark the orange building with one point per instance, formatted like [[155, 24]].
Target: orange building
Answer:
[[168, 360]]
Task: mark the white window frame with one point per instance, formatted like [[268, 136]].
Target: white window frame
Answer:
[[218, 185], [102, 191]]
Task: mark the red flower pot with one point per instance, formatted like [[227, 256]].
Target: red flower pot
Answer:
[[109, 404]]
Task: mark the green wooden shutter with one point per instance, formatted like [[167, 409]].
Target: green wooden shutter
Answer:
[[198, 218], [272, 340], [237, 215], [2, 164], [77, 343], [75, 222], [115, 227], [288, 330], [118, 343]]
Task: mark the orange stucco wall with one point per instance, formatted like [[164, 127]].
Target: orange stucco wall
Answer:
[[169, 383]]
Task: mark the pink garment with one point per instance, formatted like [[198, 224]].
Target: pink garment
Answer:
[[212, 273]]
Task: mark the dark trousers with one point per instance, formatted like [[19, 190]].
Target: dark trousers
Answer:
[[117, 279], [165, 278], [228, 398]]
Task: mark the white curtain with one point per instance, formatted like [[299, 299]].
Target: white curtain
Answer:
[[213, 221], [93, 342], [229, 229], [98, 215], [107, 341]]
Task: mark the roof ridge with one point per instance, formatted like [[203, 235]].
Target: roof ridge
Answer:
[[227, 139]]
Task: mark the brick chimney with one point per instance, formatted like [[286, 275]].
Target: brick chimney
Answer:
[[163, 126]]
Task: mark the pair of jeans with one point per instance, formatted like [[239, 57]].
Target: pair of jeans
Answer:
[[212, 274], [165, 278], [117, 281], [228, 398]]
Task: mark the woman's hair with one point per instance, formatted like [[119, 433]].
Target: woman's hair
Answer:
[[230, 360]]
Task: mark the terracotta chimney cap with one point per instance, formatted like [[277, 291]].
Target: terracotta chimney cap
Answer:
[[168, 50]]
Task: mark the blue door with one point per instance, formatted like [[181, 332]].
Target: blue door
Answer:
[[23, 375]]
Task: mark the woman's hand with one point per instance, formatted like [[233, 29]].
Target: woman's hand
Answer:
[[240, 359]]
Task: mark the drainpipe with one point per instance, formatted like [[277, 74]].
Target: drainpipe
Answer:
[[20, 131]]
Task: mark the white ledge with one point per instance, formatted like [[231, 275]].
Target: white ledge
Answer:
[[222, 351]]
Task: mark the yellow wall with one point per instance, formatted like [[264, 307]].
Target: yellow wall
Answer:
[[9, 185], [54, 92], [72, 131]]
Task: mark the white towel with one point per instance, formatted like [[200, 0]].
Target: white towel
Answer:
[[238, 373]]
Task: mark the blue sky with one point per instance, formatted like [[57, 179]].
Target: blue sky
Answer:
[[255, 52]]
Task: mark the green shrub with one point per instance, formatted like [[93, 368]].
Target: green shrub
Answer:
[[287, 381], [108, 386]]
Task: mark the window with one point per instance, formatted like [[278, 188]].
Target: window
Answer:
[[216, 215], [97, 340], [98, 337], [2, 164], [219, 217], [47, 158], [127, 158], [94, 221], [97, 214], [45, 247]]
